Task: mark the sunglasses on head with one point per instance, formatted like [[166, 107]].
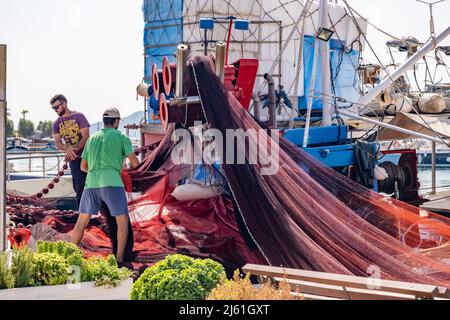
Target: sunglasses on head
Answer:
[[57, 106]]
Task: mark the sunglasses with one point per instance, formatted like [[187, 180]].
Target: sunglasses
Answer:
[[57, 106]]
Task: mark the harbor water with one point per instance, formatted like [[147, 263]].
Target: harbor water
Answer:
[[442, 179]]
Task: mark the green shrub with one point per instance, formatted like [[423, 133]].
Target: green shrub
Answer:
[[50, 269], [51, 265], [71, 253], [6, 276], [178, 277], [22, 267], [105, 272]]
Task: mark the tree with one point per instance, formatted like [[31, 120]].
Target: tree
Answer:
[[26, 128], [45, 127], [9, 128], [9, 124], [24, 112]]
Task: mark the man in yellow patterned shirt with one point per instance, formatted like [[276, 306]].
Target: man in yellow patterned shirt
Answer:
[[71, 131]]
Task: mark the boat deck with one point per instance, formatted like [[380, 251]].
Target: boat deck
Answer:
[[438, 203]]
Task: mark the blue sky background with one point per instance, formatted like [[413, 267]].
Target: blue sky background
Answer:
[[92, 50]]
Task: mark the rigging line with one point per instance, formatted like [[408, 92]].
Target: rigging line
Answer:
[[388, 74], [379, 29], [432, 3], [427, 70], [392, 57], [300, 64], [415, 79], [343, 48], [299, 68], [286, 43], [355, 80]]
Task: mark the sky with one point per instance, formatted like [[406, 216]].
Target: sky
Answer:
[[92, 50]]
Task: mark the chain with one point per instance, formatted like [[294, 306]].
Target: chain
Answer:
[[55, 180], [432, 33], [430, 5], [65, 166]]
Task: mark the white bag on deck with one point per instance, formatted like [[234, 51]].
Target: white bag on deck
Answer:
[[192, 191]]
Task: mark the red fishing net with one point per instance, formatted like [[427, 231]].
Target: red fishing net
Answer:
[[305, 216]]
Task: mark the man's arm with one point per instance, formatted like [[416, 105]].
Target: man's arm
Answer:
[[68, 149], [134, 162], [84, 165], [84, 138], [58, 142]]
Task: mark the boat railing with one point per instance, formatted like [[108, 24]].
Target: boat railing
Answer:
[[26, 155]]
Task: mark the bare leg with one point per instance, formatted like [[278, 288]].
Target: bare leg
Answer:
[[122, 234], [82, 223]]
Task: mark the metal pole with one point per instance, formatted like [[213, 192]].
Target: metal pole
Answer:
[[433, 167], [389, 126], [220, 59], [8, 171], [430, 45], [256, 106], [280, 53], [322, 9], [311, 94], [325, 63], [271, 92], [3, 226], [206, 43], [230, 26], [182, 53], [43, 167], [145, 110]]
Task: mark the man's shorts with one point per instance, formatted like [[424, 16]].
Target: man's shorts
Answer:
[[114, 197]]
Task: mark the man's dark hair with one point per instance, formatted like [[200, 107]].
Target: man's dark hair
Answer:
[[58, 97], [109, 122]]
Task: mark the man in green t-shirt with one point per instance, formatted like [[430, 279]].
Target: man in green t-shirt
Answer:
[[102, 159]]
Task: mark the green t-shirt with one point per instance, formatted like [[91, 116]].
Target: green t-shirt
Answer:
[[105, 151]]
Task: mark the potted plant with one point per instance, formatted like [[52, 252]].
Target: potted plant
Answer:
[[57, 270]]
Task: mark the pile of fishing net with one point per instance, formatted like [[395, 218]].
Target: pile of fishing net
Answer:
[[305, 216]]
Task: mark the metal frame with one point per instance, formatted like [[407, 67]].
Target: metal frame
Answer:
[[3, 106]]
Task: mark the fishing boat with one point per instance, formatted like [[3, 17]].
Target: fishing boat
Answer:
[[319, 108], [424, 158]]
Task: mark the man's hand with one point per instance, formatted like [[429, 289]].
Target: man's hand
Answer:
[[134, 162], [70, 152]]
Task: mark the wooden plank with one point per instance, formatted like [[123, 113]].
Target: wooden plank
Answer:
[[418, 290], [314, 297], [340, 293]]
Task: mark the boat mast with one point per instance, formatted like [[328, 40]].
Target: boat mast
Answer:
[[325, 63], [3, 226]]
